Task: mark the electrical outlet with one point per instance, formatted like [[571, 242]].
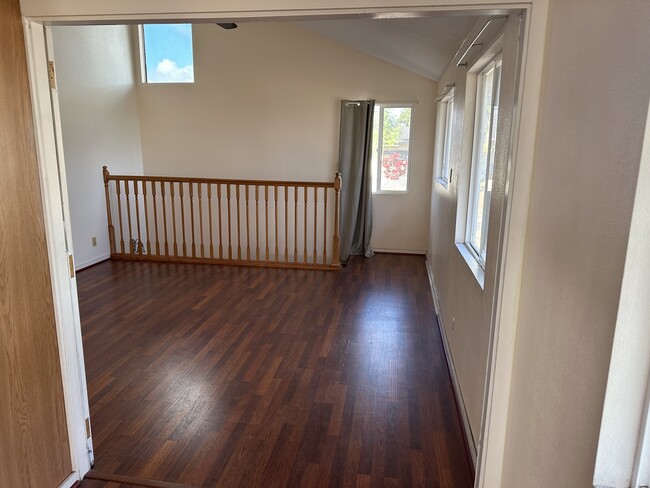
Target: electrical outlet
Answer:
[[94, 241]]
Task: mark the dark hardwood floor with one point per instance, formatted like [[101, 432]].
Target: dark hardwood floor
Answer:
[[222, 376]]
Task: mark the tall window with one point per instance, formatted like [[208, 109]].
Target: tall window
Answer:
[[391, 144], [485, 135], [166, 51], [444, 136]]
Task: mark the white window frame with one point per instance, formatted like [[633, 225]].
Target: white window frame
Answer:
[[444, 138], [376, 187], [473, 198]]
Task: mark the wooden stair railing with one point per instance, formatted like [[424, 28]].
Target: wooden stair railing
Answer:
[[224, 221]]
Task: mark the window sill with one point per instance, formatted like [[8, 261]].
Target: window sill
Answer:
[[442, 182], [394, 192], [473, 263]]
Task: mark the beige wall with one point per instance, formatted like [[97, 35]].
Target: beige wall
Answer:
[[465, 304], [265, 105], [595, 93], [100, 125]]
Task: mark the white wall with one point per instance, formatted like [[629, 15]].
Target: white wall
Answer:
[[265, 105], [595, 93], [625, 402], [100, 125]]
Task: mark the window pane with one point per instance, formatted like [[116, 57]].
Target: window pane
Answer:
[[168, 53], [396, 134], [449, 121], [483, 162]]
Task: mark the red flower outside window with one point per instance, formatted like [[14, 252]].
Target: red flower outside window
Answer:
[[394, 166]]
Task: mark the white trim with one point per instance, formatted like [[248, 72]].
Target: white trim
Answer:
[[90, 262], [469, 437], [472, 261], [491, 448], [241, 13], [69, 481], [63, 288], [510, 265], [420, 252]]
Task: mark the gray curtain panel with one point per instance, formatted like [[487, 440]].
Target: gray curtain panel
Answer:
[[355, 148]]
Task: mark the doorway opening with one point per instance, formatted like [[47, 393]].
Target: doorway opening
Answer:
[[139, 104]]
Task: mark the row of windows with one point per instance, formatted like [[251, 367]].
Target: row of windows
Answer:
[[483, 151]]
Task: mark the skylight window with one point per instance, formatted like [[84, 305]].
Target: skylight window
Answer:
[[167, 53]]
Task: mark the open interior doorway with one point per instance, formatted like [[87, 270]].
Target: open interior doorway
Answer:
[[143, 153]]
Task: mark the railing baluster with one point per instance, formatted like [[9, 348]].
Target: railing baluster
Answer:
[[146, 215], [229, 240], [295, 224], [180, 193], [164, 210], [210, 218], [304, 258], [192, 218], [219, 214], [257, 223], [248, 239], [275, 200], [199, 185], [315, 222], [119, 211], [155, 215], [266, 219], [138, 246], [325, 226], [238, 223], [128, 214], [286, 224], [171, 190]]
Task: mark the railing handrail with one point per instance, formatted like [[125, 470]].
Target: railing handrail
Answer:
[[222, 181]]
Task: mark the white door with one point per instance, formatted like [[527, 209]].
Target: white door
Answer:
[[42, 73]]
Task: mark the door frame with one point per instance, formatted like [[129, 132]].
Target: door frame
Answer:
[[59, 248], [491, 446]]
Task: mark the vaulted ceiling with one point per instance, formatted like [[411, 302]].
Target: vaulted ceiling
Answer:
[[422, 45]]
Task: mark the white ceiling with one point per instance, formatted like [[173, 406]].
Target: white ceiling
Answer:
[[422, 45]]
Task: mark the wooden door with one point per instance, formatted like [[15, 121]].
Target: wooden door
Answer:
[[34, 446]]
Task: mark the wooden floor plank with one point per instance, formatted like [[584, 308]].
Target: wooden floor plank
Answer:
[[222, 376]]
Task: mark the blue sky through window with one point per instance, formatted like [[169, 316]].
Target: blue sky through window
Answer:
[[168, 53]]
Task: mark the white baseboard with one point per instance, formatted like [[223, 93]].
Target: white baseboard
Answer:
[[400, 251], [69, 481], [90, 262], [452, 369]]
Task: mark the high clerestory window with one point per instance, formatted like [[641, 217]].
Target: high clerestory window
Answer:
[[166, 53]]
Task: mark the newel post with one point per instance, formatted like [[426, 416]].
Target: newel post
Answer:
[[337, 210], [111, 229]]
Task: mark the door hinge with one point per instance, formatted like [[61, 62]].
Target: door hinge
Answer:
[[51, 74], [71, 265], [87, 428]]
